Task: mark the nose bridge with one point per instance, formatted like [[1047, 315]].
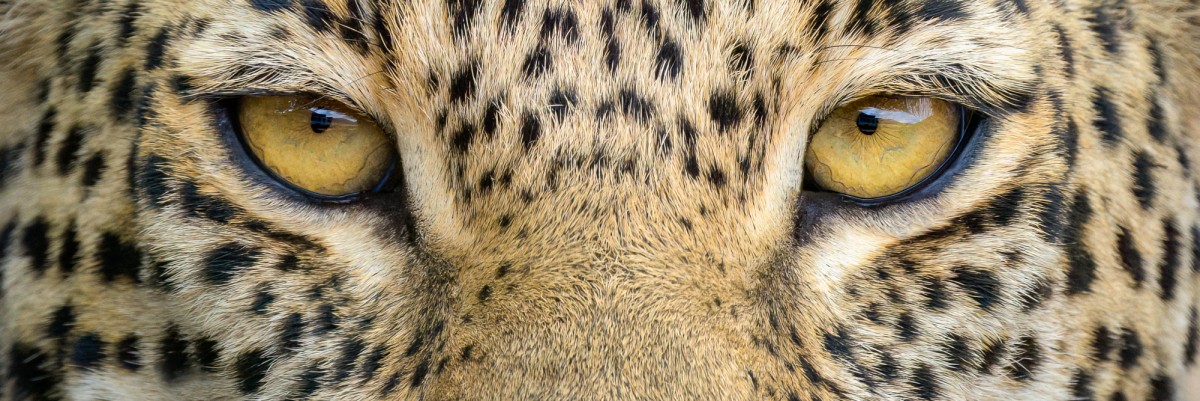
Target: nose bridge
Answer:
[[601, 329]]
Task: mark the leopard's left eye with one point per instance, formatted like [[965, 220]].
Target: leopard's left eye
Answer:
[[884, 146], [318, 146]]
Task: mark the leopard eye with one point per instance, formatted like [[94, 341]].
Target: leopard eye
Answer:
[[883, 146], [316, 145]]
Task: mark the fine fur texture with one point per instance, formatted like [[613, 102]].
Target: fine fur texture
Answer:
[[602, 200]]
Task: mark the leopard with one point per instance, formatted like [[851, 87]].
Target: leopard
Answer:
[[598, 200]]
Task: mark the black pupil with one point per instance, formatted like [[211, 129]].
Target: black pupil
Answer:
[[867, 124], [321, 120]]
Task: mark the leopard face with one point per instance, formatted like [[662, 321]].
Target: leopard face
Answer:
[[597, 200]]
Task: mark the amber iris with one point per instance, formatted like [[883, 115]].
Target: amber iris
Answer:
[[883, 145], [317, 145]]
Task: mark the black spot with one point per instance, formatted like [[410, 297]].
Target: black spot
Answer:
[[981, 285], [1157, 122], [924, 382], [485, 293], [128, 354], [350, 352], [1102, 344], [510, 13], [1005, 208], [634, 105], [934, 291], [906, 326], [696, 10], [419, 374], [206, 353], [1169, 267], [70, 248], [152, 178], [861, 20], [724, 109], [612, 54], [289, 334], [1131, 258], [1162, 388], [180, 84], [1081, 386], [1143, 180], [173, 350], [990, 355], [888, 367], [716, 176], [9, 159], [270, 5], [462, 138], [310, 380], [353, 31], [818, 26], [88, 351], [463, 12], [1068, 53], [537, 62], [45, 129], [650, 16], [250, 370], [383, 32], [69, 149], [462, 85], [946, 10], [37, 244], [1026, 358], [1131, 348], [222, 263], [1108, 123], [669, 61], [1106, 28], [261, 301], [32, 372], [1193, 339], [156, 49], [958, 352], [327, 319], [88, 68], [1195, 249], [61, 323], [561, 101], [318, 15], [124, 94], [371, 364], [561, 23], [1082, 269], [118, 259], [125, 23], [838, 344], [491, 118], [531, 130], [197, 204], [92, 169]]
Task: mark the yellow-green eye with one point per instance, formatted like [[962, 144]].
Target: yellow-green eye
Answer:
[[883, 145], [320, 146]]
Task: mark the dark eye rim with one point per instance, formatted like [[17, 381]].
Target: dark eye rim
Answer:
[[229, 113], [969, 122]]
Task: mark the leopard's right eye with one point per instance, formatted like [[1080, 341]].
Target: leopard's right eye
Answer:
[[317, 146], [884, 146]]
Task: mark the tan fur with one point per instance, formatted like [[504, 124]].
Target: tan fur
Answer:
[[597, 261]]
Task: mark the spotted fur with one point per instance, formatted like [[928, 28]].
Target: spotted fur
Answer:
[[601, 200]]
